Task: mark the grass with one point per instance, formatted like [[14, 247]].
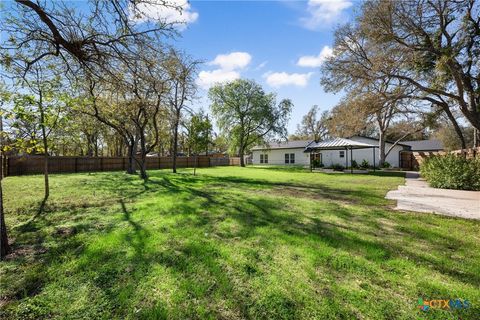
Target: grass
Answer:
[[230, 243]]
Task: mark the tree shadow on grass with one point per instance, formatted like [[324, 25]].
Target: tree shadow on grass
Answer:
[[203, 273]]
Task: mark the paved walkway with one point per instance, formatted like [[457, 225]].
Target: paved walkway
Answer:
[[417, 196]]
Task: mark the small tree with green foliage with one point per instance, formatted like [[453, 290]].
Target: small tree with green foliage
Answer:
[[198, 129], [248, 115]]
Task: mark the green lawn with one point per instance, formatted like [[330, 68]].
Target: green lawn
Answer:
[[230, 243]]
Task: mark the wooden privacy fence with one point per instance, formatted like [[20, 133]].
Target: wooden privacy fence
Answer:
[[412, 159], [16, 166]]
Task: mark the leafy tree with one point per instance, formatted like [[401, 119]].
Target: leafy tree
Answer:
[[446, 133], [248, 115], [312, 127], [342, 124], [40, 109], [198, 135]]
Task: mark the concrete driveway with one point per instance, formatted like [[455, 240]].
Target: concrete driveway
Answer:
[[417, 196]]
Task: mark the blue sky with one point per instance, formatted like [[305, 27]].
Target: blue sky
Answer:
[[279, 44], [264, 41]]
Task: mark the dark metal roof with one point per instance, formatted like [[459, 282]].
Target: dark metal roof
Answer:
[[301, 144], [425, 145], [339, 143]]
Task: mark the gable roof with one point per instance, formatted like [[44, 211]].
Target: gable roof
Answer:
[[296, 144], [425, 145]]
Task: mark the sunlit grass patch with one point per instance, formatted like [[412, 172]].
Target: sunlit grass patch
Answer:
[[230, 243]]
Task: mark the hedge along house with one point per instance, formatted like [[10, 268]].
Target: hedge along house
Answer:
[[293, 152]]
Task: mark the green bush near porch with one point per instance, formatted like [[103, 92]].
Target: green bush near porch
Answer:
[[451, 172]]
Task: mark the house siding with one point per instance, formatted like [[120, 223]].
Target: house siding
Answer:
[[277, 156], [331, 157]]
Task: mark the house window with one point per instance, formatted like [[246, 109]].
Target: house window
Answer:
[[265, 158], [261, 158], [289, 157], [342, 154]]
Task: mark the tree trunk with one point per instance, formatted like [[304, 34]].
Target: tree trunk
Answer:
[[242, 160], [131, 159], [381, 145], [143, 168], [4, 247], [475, 138], [45, 152], [454, 122], [175, 142], [195, 165], [143, 160]]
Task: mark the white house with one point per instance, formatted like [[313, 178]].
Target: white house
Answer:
[[293, 153], [290, 152]]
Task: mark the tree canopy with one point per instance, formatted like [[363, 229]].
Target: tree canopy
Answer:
[[247, 114]]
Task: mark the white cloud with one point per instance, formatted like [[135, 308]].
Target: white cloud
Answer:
[[315, 61], [229, 64], [232, 61], [261, 65], [208, 78], [324, 12], [178, 12], [278, 79]]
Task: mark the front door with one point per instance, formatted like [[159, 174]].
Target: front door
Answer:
[[315, 159]]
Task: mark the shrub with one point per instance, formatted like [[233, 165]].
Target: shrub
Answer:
[[386, 164], [354, 164], [338, 167], [316, 163], [451, 172], [365, 164]]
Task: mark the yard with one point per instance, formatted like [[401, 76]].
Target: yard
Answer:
[[231, 243]]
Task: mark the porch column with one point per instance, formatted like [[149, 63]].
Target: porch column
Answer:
[[351, 160], [346, 157]]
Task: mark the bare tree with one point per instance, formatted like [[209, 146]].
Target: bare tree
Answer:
[[435, 46], [181, 72], [313, 127], [88, 38], [130, 103]]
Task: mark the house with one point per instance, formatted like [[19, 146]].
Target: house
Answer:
[[290, 152], [425, 145], [293, 153]]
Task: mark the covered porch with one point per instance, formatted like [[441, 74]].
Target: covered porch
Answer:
[[340, 144]]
